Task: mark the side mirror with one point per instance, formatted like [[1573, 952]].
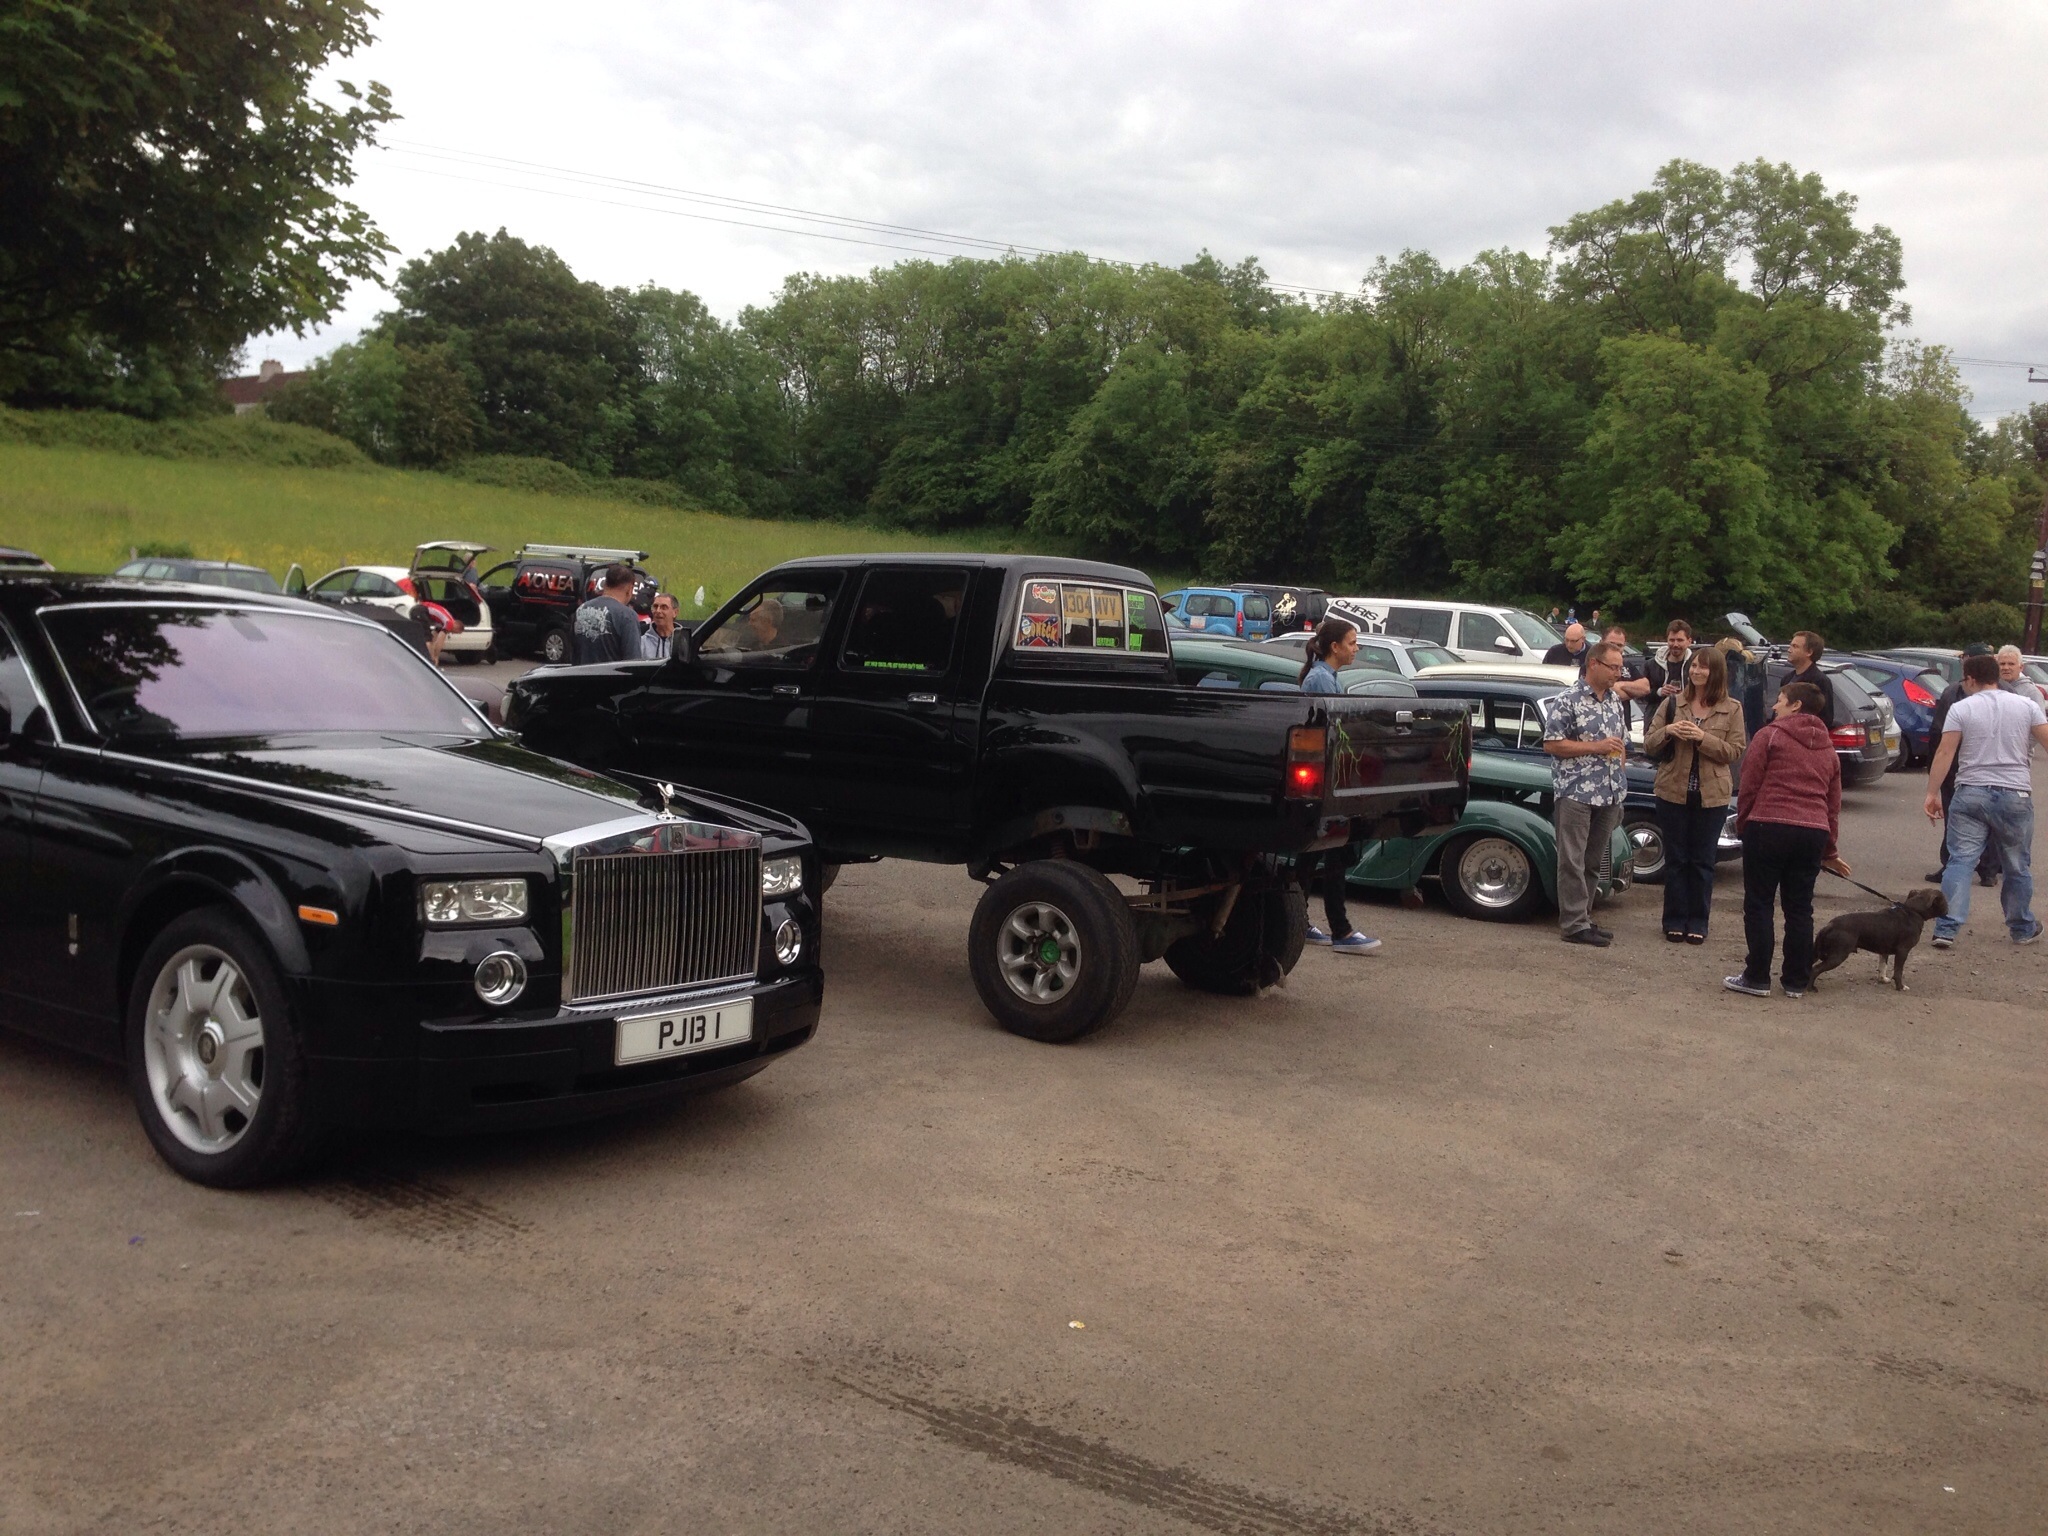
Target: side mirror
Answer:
[[1504, 644], [682, 650], [295, 581]]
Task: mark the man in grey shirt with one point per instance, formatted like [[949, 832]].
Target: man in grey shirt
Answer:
[[658, 644], [1989, 736], [607, 629]]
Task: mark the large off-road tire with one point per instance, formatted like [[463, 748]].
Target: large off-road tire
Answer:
[[214, 1060], [555, 646], [1491, 878], [1053, 950], [1646, 843], [1261, 942]]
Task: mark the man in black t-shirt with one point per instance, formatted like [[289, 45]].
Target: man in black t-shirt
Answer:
[[607, 629], [1572, 653]]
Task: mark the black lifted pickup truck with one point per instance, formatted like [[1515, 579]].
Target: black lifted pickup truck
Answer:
[[1020, 716]]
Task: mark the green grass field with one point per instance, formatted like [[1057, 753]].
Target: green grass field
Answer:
[[84, 509]]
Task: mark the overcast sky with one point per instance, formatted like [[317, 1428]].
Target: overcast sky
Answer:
[[1314, 136]]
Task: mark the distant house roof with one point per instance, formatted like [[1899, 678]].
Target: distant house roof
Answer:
[[253, 389]]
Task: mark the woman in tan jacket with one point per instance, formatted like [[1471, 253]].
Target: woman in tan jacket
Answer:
[[1702, 728]]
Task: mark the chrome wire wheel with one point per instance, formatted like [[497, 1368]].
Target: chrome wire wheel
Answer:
[[1494, 873], [1039, 952], [202, 1049]]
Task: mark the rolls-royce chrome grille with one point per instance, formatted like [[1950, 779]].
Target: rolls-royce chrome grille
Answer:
[[661, 908]]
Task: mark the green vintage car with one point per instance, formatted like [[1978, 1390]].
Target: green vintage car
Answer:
[[1499, 860], [1204, 663]]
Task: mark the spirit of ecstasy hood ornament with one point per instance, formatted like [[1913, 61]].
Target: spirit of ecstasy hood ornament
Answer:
[[668, 795]]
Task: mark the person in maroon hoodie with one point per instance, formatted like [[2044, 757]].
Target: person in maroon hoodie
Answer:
[[1787, 813]]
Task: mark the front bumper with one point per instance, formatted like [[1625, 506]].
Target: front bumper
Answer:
[[509, 1073]]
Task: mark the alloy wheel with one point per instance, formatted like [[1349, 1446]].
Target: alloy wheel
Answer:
[[1039, 952], [203, 1049]]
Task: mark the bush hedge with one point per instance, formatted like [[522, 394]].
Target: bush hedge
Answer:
[[250, 439]]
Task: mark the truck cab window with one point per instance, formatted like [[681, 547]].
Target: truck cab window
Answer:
[[779, 628], [905, 621], [17, 693]]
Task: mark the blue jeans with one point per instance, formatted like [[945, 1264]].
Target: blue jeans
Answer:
[[2004, 817], [1692, 840]]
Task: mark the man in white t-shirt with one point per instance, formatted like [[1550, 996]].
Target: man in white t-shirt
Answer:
[[1989, 735]]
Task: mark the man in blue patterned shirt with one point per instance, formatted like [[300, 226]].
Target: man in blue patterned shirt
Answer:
[[1587, 732]]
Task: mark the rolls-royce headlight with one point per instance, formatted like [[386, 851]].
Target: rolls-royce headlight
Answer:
[[782, 877], [473, 901]]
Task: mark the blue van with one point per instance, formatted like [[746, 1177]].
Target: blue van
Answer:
[[1218, 611]]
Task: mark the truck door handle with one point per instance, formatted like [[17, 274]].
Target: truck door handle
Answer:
[[924, 698], [787, 690]]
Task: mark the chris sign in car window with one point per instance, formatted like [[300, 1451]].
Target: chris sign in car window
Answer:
[[1078, 616]]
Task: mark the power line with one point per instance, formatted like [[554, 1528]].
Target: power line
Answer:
[[839, 228]]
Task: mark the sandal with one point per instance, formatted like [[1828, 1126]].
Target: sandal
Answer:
[[1673, 936], [1695, 938]]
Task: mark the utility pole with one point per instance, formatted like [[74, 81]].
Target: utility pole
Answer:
[[2037, 574]]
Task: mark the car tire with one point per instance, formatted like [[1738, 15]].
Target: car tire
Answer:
[[467, 658], [1646, 844], [214, 1059], [1270, 926], [1053, 950], [554, 647], [1491, 878], [828, 876]]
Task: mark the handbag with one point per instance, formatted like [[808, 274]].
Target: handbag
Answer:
[[1669, 749]]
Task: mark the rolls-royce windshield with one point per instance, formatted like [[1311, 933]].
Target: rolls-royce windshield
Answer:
[[167, 673]]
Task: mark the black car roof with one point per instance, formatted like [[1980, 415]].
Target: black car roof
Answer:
[[1036, 565], [44, 589]]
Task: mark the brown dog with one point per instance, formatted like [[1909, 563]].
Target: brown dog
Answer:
[[1890, 934]]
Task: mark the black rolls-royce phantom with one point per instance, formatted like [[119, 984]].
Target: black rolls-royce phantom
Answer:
[[266, 857]]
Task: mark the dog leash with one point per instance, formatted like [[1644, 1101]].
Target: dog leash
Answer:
[[1880, 895]]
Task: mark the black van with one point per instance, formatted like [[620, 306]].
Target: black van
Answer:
[[1293, 607], [534, 595]]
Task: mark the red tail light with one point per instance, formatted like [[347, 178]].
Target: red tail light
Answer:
[[1306, 746], [405, 586], [1847, 736], [1915, 694], [1240, 622]]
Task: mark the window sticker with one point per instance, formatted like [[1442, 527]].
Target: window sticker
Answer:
[[1084, 616], [1109, 618], [1078, 607]]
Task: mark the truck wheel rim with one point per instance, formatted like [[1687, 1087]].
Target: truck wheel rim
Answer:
[[1649, 846], [202, 1047], [1039, 952], [1494, 873]]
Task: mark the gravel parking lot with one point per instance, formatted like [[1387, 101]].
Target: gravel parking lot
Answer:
[[1483, 1234]]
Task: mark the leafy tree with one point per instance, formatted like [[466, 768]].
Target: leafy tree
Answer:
[[170, 187], [438, 421], [707, 413], [551, 356]]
